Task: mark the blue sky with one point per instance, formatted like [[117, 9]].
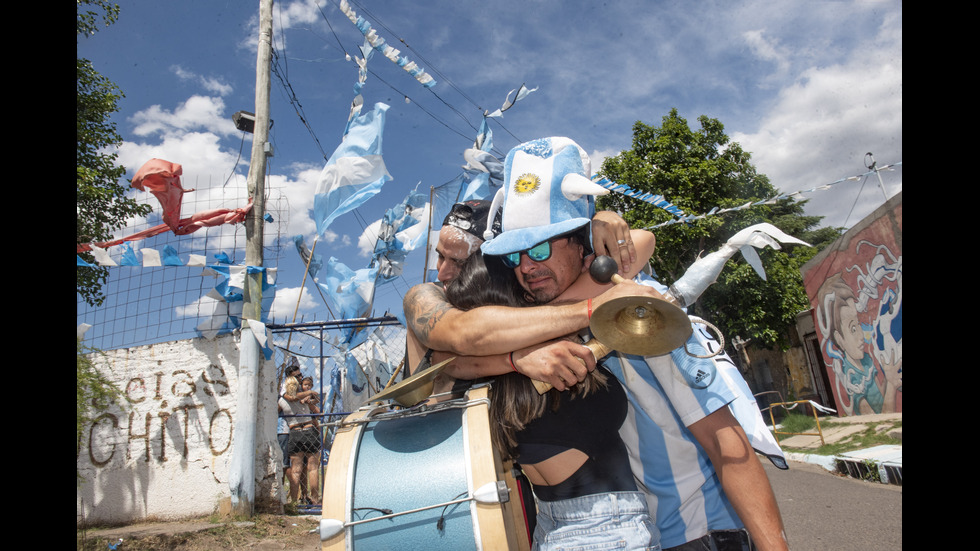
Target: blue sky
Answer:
[[808, 87]]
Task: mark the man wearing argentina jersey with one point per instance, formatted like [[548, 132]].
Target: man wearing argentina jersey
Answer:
[[689, 452], [669, 395]]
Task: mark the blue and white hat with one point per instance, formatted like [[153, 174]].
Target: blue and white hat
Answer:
[[546, 193]]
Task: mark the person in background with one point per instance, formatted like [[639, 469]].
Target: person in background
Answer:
[[304, 436], [313, 403]]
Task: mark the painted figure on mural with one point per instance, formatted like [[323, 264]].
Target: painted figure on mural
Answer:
[[862, 333]]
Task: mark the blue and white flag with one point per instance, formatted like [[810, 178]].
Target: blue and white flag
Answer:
[[522, 92], [355, 171], [484, 173], [228, 297], [402, 230], [351, 292], [313, 261]]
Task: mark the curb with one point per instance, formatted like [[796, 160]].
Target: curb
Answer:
[[828, 462], [886, 461]]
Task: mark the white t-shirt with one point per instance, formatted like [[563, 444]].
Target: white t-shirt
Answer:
[[294, 407]]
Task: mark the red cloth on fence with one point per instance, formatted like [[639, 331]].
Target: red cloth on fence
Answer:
[[162, 179]]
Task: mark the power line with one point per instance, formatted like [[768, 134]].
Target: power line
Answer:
[[282, 75], [417, 54], [434, 69]]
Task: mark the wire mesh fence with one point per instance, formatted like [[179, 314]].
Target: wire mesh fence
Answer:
[[344, 376], [145, 304]]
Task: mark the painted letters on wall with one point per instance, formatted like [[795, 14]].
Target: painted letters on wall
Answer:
[[164, 449]]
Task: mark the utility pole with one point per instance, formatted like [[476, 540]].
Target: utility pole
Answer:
[[242, 469]]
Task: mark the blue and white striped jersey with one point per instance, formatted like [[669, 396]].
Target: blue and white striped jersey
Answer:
[[666, 395]]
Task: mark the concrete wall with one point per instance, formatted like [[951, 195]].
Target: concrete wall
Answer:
[[165, 451]]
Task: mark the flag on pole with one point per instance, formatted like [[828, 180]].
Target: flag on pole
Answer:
[[352, 293], [355, 172]]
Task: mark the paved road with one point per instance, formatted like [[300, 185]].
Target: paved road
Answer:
[[823, 512]]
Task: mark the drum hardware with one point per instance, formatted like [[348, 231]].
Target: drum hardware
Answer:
[[414, 389], [640, 325], [419, 410], [491, 492]]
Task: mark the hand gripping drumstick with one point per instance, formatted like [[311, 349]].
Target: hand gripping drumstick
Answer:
[[603, 270]]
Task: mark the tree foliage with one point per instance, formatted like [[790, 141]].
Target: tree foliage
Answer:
[[95, 392], [698, 170], [101, 202]]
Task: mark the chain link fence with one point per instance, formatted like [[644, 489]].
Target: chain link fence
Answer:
[[348, 362]]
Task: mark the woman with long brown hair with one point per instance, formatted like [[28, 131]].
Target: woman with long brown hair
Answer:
[[567, 443]]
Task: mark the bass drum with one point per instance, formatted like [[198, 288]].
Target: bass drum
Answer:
[[416, 472]]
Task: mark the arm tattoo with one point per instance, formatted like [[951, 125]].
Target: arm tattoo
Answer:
[[425, 305]]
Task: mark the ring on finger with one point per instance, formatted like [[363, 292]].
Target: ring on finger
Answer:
[[621, 241]]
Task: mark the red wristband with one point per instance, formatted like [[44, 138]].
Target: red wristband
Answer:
[[514, 367]]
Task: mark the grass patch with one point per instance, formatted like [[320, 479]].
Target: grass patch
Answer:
[[795, 422], [876, 434]]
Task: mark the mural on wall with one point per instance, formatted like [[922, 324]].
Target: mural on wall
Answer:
[[856, 292]]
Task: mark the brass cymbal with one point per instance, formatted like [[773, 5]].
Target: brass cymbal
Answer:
[[644, 326], [414, 389]]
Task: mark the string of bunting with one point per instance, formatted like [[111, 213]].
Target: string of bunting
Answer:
[[681, 218], [150, 258], [378, 43], [652, 198]]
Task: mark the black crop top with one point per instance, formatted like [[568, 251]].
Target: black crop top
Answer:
[[589, 424]]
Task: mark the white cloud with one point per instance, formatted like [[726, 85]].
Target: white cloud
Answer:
[[821, 126], [299, 13], [211, 84], [368, 239], [596, 158], [198, 112], [767, 49], [284, 305], [203, 307]]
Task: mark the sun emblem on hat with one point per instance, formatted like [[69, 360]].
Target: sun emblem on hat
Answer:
[[527, 183]]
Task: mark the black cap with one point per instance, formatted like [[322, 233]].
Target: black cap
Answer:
[[471, 217]]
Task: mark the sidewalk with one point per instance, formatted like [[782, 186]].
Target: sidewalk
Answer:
[[887, 460]]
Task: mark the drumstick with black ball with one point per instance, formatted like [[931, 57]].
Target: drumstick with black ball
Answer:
[[637, 324]]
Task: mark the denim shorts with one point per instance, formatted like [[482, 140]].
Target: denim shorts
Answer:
[[614, 520]]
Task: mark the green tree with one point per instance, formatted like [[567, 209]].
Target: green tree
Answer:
[[95, 392], [101, 203], [697, 171]]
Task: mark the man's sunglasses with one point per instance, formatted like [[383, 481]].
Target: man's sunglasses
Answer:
[[537, 253]]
